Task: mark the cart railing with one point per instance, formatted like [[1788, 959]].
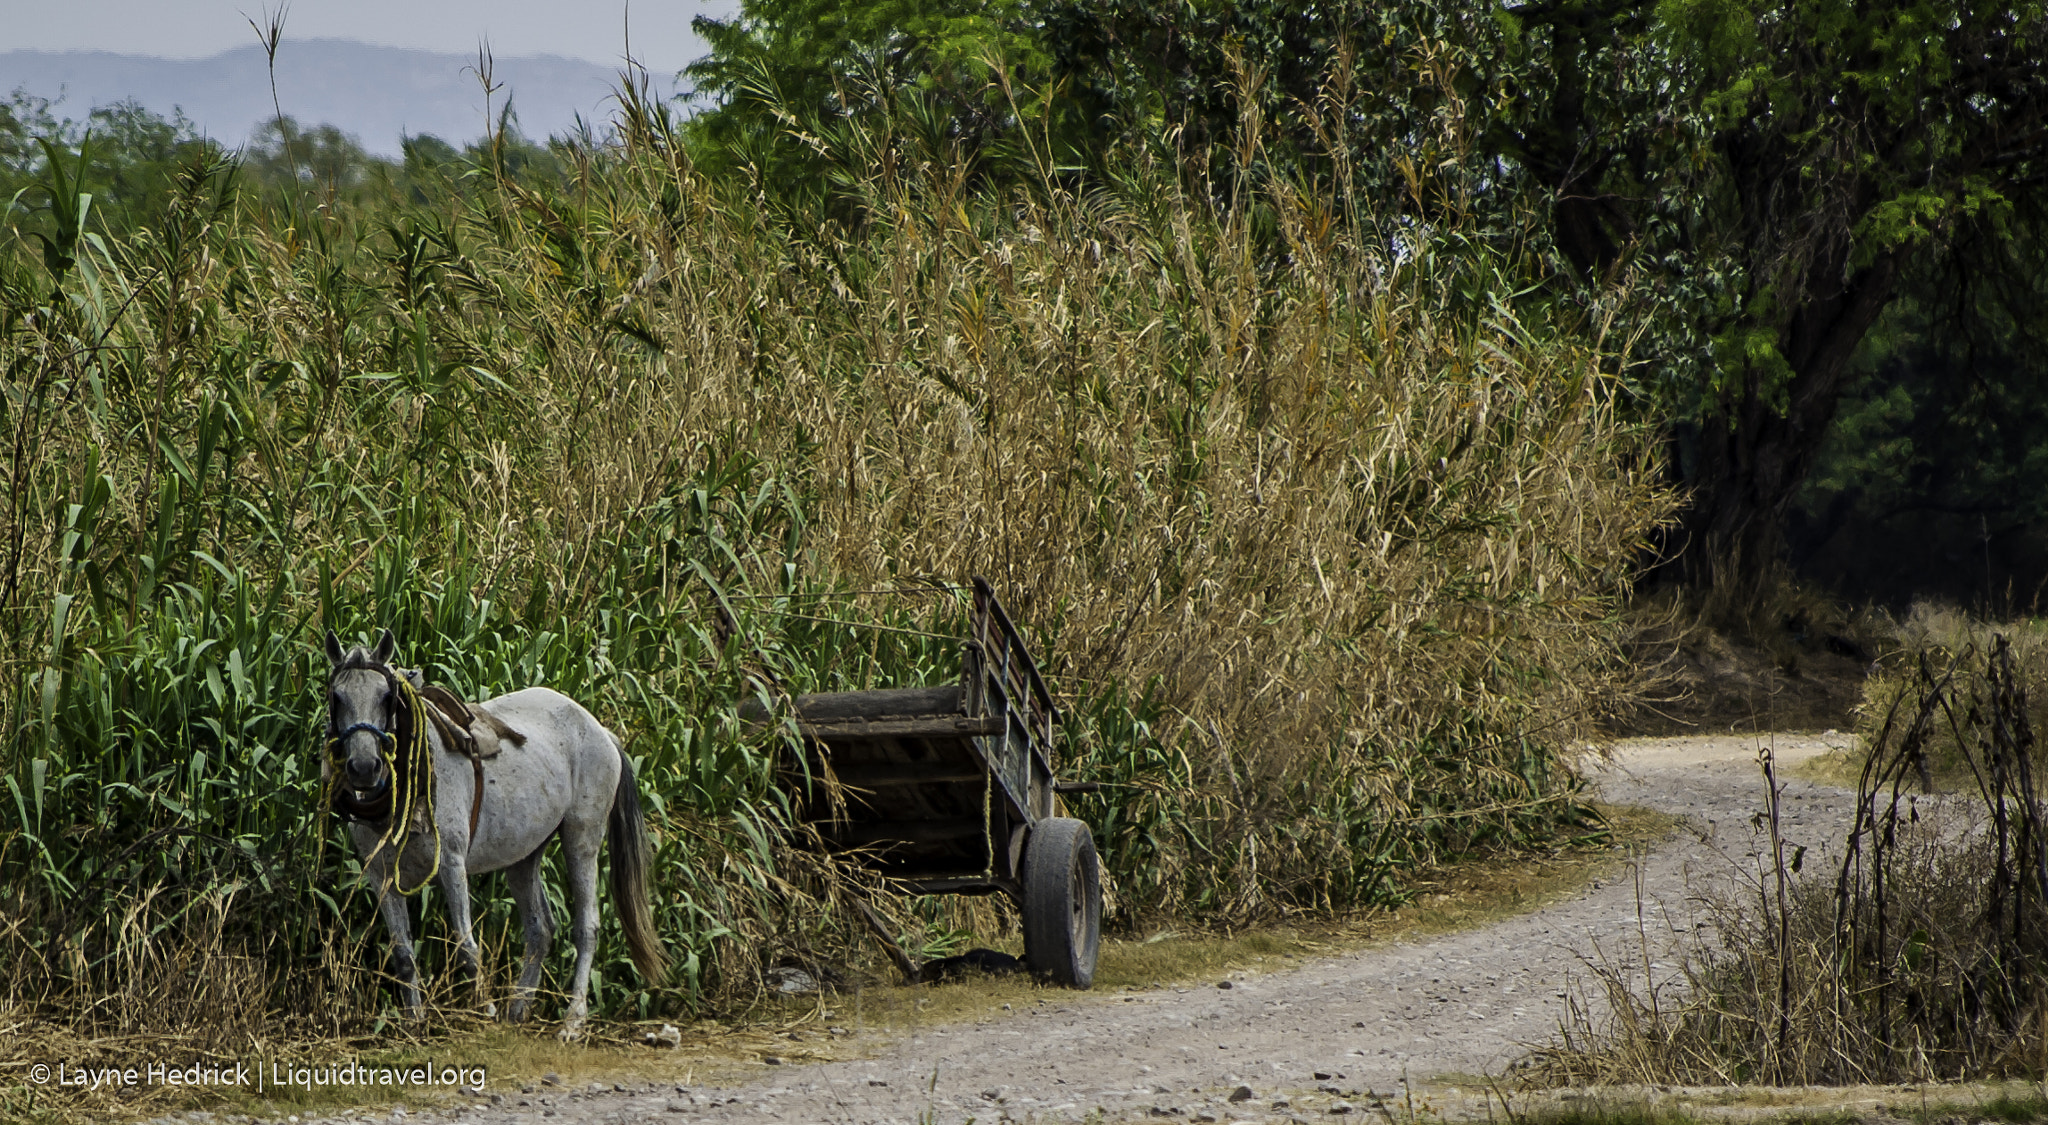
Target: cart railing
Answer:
[[1007, 668]]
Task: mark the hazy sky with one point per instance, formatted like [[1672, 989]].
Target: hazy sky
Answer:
[[584, 29]]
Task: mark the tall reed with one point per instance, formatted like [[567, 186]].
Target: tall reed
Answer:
[[1322, 539]]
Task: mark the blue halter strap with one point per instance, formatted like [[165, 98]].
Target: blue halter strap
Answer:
[[383, 736]]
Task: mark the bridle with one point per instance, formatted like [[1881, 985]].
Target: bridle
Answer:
[[376, 806], [373, 728], [408, 758]]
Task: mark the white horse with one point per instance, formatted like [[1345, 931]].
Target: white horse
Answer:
[[413, 802]]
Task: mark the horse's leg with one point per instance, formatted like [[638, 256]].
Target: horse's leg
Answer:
[[580, 841], [392, 906], [539, 924], [455, 885]]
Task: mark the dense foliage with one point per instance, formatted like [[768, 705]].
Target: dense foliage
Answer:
[[1323, 540], [1769, 176], [1305, 375]]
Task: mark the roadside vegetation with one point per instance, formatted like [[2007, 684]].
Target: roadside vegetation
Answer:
[[1323, 532], [1914, 953], [2005, 1103], [1316, 400]]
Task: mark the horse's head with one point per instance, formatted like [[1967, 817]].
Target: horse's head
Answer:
[[362, 713]]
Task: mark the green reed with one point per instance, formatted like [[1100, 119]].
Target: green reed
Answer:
[[1322, 538]]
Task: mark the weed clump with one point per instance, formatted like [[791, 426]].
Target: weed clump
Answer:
[[1919, 958]]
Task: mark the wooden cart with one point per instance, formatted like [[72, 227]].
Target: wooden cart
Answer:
[[950, 790]]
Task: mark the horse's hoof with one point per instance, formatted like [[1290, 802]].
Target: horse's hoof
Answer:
[[518, 1013], [572, 1030], [490, 1010]]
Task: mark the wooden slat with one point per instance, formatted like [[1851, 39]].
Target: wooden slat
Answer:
[[1011, 637], [887, 703], [960, 885], [826, 707], [1011, 669]]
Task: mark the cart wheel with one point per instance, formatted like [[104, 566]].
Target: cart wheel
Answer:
[[1062, 901]]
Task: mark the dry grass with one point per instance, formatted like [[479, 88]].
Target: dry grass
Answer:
[[870, 1007], [1939, 634], [1841, 767], [2012, 1103], [1322, 538], [1918, 958]]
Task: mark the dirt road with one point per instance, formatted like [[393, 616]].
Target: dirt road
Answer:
[[1317, 1037]]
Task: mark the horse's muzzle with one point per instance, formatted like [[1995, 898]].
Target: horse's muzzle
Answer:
[[366, 778]]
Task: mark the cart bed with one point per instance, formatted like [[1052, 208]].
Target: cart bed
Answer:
[[936, 786]]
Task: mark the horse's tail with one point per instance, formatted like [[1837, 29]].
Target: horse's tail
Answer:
[[628, 838]]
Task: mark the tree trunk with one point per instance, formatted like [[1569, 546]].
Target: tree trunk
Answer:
[[1744, 464]]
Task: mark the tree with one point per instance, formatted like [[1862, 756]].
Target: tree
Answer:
[[136, 153], [784, 68], [23, 118], [284, 153], [1759, 174], [133, 156], [1774, 167], [1762, 172], [1937, 452], [1140, 70]]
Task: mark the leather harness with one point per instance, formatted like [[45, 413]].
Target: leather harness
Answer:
[[456, 722]]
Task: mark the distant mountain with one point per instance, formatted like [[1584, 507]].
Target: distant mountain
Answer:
[[376, 93]]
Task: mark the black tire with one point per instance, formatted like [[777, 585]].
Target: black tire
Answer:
[[1062, 902]]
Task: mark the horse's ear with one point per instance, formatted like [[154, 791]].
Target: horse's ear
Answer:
[[333, 649], [386, 646]]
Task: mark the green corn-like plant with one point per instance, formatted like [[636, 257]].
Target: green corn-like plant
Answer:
[[1322, 540]]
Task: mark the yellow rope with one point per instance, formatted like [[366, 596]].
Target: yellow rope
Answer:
[[418, 781], [422, 778]]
